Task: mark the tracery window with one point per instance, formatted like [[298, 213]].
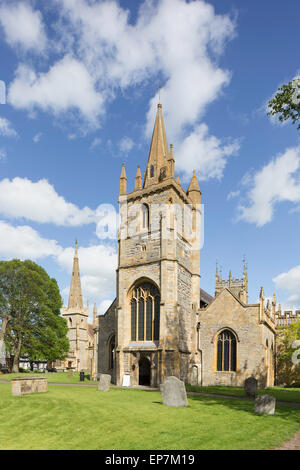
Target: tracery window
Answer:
[[226, 351], [145, 313]]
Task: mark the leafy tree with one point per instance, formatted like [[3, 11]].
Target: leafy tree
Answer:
[[286, 103], [32, 301], [288, 355]]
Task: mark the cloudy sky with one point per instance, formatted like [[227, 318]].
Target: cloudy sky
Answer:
[[78, 93]]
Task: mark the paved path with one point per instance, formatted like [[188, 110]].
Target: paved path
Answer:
[[293, 444]]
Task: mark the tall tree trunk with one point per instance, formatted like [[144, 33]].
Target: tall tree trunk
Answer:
[[17, 351], [5, 320]]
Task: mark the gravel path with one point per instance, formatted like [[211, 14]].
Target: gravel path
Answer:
[[293, 444]]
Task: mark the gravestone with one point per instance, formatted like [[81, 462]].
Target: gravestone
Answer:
[[25, 385], [250, 387], [173, 392], [104, 382], [70, 373], [265, 404]]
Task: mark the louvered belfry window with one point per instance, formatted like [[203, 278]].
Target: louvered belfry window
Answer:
[[226, 351], [145, 313]]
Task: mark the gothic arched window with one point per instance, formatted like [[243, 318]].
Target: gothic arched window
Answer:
[[145, 216], [226, 351], [145, 313], [111, 350]]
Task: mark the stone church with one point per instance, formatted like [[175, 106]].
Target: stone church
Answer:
[[81, 334], [161, 322]]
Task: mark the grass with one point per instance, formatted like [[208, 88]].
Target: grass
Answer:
[[280, 393], [52, 377], [83, 418]]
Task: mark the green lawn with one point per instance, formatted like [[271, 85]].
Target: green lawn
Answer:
[[280, 393], [52, 377], [83, 418]]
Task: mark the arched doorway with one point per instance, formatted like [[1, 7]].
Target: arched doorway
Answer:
[[144, 371]]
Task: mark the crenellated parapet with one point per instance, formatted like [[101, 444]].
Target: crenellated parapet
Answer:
[[286, 318]]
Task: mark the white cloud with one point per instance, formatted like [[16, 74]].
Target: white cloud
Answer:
[[290, 282], [96, 142], [205, 153], [37, 137], [126, 145], [39, 202], [104, 305], [65, 87], [23, 27], [176, 41], [3, 154], [24, 242], [5, 128], [233, 195], [276, 182], [98, 265]]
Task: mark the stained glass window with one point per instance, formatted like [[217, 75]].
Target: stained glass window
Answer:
[[226, 351], [145, 313]]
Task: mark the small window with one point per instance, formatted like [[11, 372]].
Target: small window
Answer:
[[151, 171], [145, 216]]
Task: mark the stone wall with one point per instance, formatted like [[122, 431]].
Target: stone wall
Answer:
[[227, 312], [107, 329]]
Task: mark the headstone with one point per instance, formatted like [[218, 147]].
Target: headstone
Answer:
[[173, 392], [126, 381], [70, 373], [265, 404], [250, 387], [104, 382]]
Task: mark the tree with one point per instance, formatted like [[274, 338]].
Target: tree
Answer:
[[32, 300], [288, 355], [286, 103]]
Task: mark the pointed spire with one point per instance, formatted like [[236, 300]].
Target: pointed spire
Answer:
[[75, 297], [138, 179], [123, 181], [171, 162], [217, 271], [158, 154], [95, 313], [178, 180], [193, 191], [262, 294]]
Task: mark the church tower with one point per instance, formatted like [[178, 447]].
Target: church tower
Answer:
[[158, 277], [77, 318]]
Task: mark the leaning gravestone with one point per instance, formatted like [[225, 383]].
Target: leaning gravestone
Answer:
[[250, 387], [104, 382], [173, 392], [265, 404]]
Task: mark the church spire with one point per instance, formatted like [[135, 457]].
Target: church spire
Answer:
[[193, 190], [138, 179], [157, 165], [123, 181], [75, 297]]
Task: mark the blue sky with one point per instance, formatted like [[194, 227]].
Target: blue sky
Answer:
[[82, 83]]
